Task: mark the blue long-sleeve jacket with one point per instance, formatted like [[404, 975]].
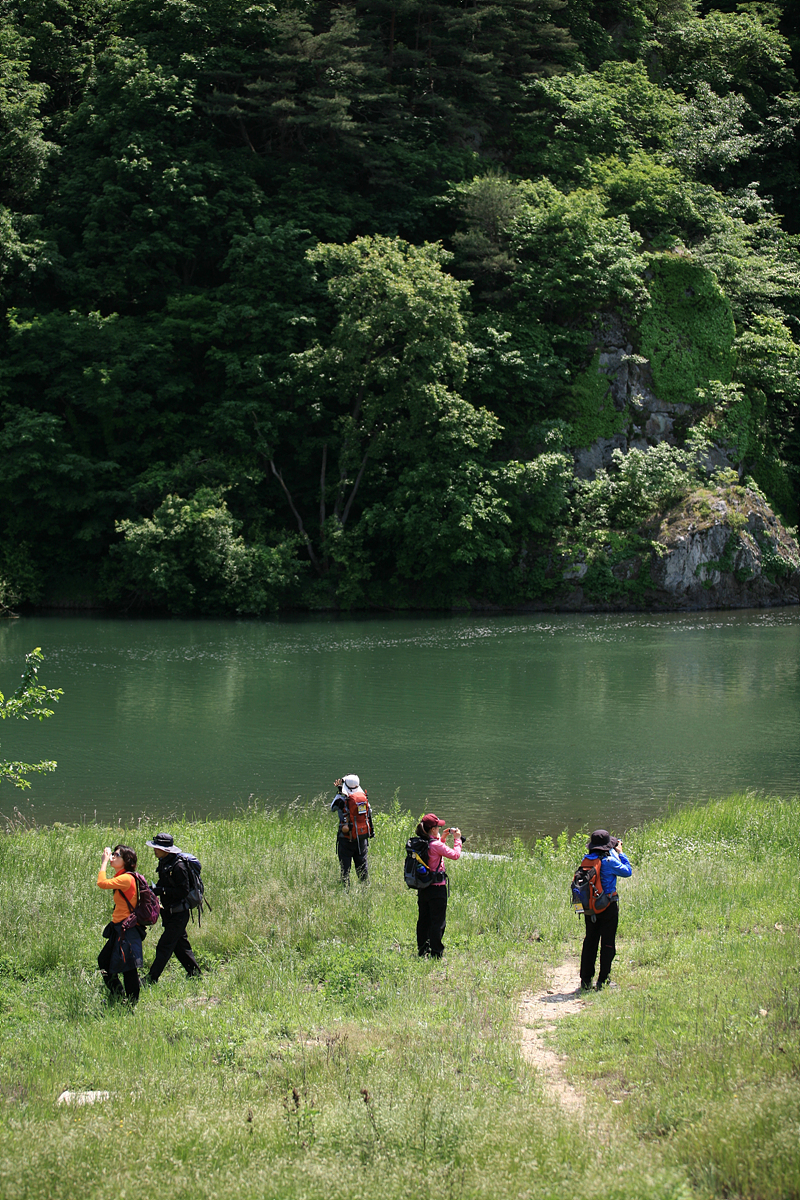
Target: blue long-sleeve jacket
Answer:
[[614, 864]]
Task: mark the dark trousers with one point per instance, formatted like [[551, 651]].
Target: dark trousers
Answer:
[[353, 854], [601, 932], [432, 902], [129, 978], [173, 940]]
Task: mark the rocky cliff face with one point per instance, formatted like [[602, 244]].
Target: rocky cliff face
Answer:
[[649, 419], [724, 548]]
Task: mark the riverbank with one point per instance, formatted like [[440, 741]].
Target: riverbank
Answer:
[[318, 1057]]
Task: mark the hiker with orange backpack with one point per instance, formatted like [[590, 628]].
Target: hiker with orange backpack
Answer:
[[603, 917], [355, 827]]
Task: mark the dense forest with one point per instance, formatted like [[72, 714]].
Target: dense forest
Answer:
[[327, 304]]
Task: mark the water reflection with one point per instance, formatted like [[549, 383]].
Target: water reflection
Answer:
[[532, 722]]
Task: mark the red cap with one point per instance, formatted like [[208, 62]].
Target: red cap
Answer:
[[431, 819]]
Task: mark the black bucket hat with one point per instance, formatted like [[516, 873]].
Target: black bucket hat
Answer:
[[601, 839]]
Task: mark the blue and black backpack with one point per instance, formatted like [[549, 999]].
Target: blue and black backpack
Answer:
[[416, 871]]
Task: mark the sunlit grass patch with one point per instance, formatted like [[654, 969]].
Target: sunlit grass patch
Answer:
[[316, 1037]]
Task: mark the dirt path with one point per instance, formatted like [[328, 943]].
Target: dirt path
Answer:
[[538, 1012]]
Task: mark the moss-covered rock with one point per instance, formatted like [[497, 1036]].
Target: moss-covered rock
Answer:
[[723, 547], [687, 333]]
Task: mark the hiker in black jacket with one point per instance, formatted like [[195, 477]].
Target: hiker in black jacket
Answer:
[[172, 890]]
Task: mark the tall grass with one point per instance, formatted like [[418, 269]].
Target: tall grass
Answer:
[[318, 1057], [701, 1042]]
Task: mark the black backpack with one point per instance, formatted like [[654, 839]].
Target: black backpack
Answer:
[[416, 871], [195, 897]]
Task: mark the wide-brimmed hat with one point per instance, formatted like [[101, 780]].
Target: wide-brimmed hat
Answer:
[[350, 783], [601, 839], [164, 841]]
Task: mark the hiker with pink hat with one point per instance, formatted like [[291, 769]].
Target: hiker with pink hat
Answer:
[[432, 900]]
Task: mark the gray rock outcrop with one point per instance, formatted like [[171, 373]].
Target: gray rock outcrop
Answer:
[[724, 548]]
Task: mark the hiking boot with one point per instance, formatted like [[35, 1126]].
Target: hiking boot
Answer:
[[601, 983], [586, 985]]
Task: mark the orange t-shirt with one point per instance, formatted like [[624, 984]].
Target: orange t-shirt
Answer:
[[123, 885]]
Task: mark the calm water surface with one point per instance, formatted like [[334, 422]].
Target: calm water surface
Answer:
[[529, 723]]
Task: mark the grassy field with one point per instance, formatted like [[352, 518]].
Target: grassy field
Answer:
[[318, 1057]]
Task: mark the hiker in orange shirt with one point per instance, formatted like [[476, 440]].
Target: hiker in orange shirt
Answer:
[[122, 953]]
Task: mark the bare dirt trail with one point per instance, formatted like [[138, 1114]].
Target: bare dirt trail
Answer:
[[538, 1013]]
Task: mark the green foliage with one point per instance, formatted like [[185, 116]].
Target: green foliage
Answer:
[[222, 266], [562, 254], [660, 202], [613, 562], [687, 332], [774, 564], [756, 417], [21, 580], [712, 136], [735, 419], [778, 482], [188, 558], [24, 150], [643, 482], [768, 364], [572, 258], [8, 597], [614, 111], [606, 547], [516, 370], [29, 702], [729, 52], [489, 206], [768, 360], [592, 413], [539, 490], [753, 259], [412, 484]]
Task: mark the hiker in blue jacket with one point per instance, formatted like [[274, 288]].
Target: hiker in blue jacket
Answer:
[[602, 929]]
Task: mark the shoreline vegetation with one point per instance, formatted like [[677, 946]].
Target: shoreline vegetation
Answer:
[[318, 1057]]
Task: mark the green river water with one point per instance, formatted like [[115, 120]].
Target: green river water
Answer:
[[520, 725]]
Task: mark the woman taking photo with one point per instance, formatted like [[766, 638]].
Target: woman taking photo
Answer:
[[122, 953], [601, 930], [432, 900]]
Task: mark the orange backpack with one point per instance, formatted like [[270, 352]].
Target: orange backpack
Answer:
[[358, 815], [588, 897]]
